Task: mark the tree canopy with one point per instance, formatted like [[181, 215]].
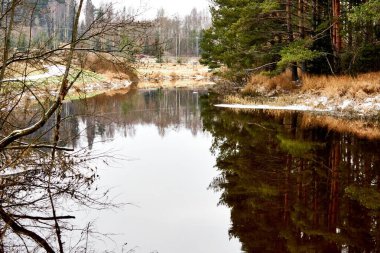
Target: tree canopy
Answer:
[[319, 36]]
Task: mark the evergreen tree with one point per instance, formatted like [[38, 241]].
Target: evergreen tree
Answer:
[[245, 34], [319, 36]]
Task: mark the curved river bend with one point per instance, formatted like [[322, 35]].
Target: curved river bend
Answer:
[[204, 179]]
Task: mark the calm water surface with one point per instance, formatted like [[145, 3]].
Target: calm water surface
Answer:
[[163, 168], [196, 175]]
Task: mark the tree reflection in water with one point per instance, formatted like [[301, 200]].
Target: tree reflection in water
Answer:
[[166, 109], [39, 194], [38, 198], [293, 187]]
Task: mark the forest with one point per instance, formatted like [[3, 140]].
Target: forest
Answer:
[[328, 37], [92, 162], [175, 35]]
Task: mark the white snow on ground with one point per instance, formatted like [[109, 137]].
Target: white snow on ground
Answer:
[[344, 106], [90, 87], [55, 70], [346, 103], [321, 101], [272, 107]]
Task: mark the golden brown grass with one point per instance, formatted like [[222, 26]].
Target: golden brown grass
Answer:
[[112, 67], [260, 83], [155, 76], [340, 86], [232, 99], [174, 76]]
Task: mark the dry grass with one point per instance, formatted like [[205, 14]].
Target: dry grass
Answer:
[[174, 76], [155, 76], [171, 71], [169, 84], [113, 68], [343, 86], [232, 99], [263, 84], [357, 87]]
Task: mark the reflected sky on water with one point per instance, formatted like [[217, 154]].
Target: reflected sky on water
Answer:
[[196, 175], [163, 168]]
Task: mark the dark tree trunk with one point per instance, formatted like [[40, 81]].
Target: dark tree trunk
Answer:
[[293, 66], [336, 36]]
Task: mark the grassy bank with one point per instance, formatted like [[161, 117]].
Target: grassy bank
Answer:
[[185, 74], [344, 96]]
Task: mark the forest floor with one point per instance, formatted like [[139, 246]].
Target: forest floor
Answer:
[[340, 96], [187, 73]]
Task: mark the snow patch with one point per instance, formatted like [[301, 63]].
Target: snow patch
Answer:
[[272, 107], [345, 104], [54, 70]]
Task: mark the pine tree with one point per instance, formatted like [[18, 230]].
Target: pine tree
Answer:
[[318, 36]]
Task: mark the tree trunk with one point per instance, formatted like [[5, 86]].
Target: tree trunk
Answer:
[[293, 65], [336, 36], [349, 27], [301, 21], [301, 26]]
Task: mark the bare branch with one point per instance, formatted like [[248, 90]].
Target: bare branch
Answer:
[[21, 230], [43, 218]]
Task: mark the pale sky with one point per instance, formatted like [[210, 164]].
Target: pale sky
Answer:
[[150, 7]]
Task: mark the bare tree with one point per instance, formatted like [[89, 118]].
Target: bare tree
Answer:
[[38, 171]]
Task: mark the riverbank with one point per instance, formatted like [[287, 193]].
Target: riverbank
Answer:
[[174, 73], [144, 74], [343, 96], [102, 74]]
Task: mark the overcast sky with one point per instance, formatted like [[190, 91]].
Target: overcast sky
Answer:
[[150, 7]]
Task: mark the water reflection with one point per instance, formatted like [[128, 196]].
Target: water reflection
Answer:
[[34, 187], [167, 178], [295, 187], [37, 197], [166, 109], [291, 185]]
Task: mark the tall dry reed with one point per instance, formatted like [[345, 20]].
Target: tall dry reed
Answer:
[[344, 85], [259, 83]]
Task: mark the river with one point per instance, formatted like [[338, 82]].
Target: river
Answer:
[[196, 178], [161, 166]]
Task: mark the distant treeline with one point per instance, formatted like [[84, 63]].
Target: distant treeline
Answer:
[[176, 36], [48, 23], [319, 36], [41, 22]]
